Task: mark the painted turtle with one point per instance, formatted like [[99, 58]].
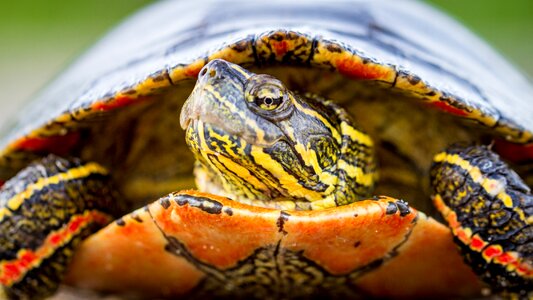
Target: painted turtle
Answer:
[[285, 178]]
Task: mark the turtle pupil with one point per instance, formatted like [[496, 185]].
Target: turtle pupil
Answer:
[[268, 103]]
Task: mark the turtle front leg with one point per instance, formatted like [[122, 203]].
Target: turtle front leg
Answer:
[[489, 210], [45, 211]]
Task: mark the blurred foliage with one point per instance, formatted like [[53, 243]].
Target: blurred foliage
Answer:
[[38, 38], [506, 25], [61, 25]]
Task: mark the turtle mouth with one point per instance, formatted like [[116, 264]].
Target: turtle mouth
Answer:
[[190, 110], [185, 122]]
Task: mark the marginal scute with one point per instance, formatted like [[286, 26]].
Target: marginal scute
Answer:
[[242, 52], [283, 46], [153, 84], [349, 63]]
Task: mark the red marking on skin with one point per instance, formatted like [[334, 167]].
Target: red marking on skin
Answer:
[[505, 259], [280, 48], [353, 68], [492, 251], [27, 258], [516, 153], [55, 239], [477, 243], [14, 270], [75, 225], [441, 105], [60, 144], [2, 183], [9, 271], [522, 269]]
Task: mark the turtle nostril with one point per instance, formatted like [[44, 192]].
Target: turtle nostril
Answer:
[[202, 73]]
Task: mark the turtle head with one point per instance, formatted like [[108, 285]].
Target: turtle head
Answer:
[[257, 142]]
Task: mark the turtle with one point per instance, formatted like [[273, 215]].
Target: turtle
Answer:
[[314, 138]]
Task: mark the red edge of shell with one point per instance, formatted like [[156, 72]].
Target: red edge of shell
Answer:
[[349, 67]]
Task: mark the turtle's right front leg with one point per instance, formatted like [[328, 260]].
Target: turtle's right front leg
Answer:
[[45, 211], [490, 212]]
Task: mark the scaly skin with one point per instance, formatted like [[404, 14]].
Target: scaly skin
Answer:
[[293, 151], [490, 212], [46, 210], [261, 144]]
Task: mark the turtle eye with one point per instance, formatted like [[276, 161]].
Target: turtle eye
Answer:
[[268, 97], [269, 101]]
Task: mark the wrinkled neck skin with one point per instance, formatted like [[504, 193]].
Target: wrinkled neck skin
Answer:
[[258, 143]]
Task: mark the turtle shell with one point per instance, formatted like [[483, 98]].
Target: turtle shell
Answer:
[[395, 66]]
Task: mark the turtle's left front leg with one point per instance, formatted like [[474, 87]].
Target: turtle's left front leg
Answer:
[[490, 212], [45, 212]]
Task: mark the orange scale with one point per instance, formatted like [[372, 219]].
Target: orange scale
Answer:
[[477, 243], [492, 251]]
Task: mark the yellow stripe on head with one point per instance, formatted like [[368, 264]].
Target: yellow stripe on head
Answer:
[[315, 114], [356, 135]]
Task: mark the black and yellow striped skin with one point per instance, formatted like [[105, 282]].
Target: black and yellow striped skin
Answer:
[[271, 147], [490, 212], [45, 212]]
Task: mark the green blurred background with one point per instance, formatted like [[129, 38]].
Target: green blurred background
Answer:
[[39, 38]]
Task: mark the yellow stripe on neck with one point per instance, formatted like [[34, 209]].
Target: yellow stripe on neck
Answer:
[[493, 187]]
